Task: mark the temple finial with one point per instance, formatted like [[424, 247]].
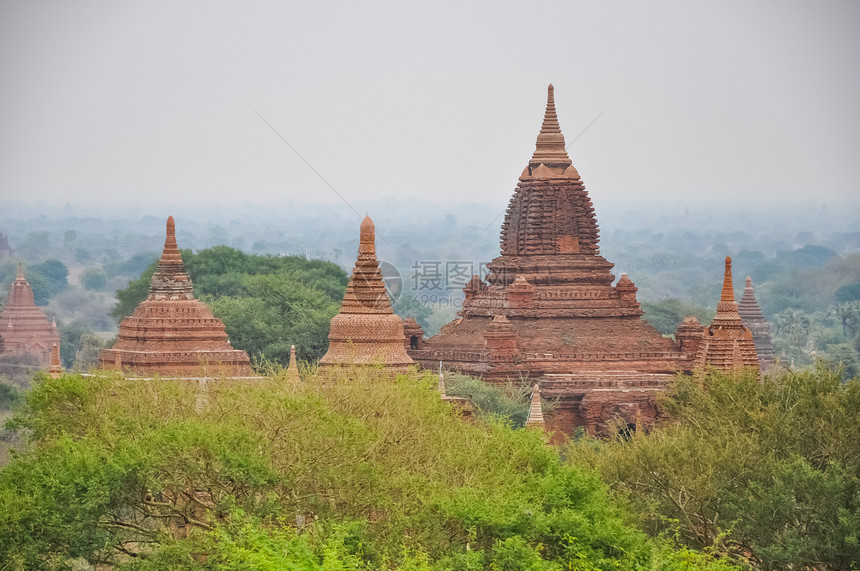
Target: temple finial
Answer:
[[728, 289], [549, 149], [20, 275], [367, 240], [535, 418], [171, 254]]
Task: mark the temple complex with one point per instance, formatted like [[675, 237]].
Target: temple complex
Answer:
[[366, 331], [172, 334], [753, 319], [548, 308], [24, 327], [726, 344]]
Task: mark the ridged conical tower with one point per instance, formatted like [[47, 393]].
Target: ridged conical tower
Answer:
[[172, 334], [753, 318], [726, 344], [366, 331], [548, 308], [24, 327]]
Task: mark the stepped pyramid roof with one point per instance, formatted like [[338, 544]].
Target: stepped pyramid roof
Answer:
[[171, 333], [366, 331]]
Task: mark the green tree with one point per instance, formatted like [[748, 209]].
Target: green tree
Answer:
[[55, 272], [847, 293], [94, 279], [360, 474], [760, 469], [70, 341]]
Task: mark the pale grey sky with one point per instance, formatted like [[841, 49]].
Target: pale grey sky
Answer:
[[124, 102]]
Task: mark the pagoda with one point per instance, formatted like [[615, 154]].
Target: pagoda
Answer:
[[172, 334], [24, 327], [753, 318], [548, 308], [366, 331], [726, 344]]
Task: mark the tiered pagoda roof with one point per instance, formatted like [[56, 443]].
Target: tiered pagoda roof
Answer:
[[753, 318], [726, 344], [549, 308], [172, 334], [24, 327], [366, 331]]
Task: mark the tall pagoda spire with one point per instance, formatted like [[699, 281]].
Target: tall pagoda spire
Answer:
[[549, 149], [293, 367], [727, 345]]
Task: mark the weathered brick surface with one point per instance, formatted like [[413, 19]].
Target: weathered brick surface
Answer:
[[549, 310], [171, 333]]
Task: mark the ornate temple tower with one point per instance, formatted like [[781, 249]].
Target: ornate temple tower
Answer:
[[753, 318], [366, 331], [24, 327], [170, 333], [726, 344], [549, 308]]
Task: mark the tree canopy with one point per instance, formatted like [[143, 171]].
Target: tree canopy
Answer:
[[763, 470], [360, 473]]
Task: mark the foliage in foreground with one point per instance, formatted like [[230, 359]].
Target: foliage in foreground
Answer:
[[355, 473], [766, 470]]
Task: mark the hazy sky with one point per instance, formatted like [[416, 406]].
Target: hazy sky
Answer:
[[124, 102]]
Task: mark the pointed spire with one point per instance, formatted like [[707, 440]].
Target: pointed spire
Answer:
[[367, 237], [293, 367], [549, 149], [366, 291], [728, 289], [441, 381], [56, 369], [171, 255], [170, 280], [20, 275], [535, 418]]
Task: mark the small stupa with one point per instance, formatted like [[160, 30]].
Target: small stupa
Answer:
[[366, 331], [293, 367], [55, 370], [535, 419], [172, 334], [753, 318], [25, 328], [726, 344]]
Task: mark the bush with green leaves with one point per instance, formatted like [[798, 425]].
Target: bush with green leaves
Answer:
[[347, 472], [765, 470]]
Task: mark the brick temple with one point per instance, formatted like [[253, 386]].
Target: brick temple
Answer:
[[24, 327], [753, 318], [726, 344], [366, 331], [549, 310], [172, 334]]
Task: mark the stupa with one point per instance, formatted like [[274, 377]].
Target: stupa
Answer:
[[726, 344], [24, 327], [548, 308], [172, 334], [5, 249], [366, 331], [535, 418], [753, 318]]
